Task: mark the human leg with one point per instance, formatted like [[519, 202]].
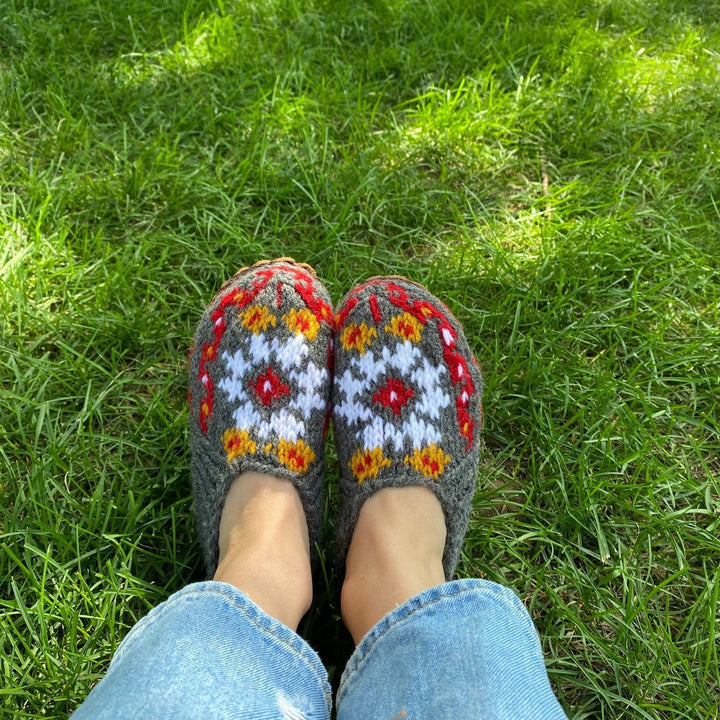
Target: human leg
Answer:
[[407, 416], [264, 549], [426, 649], [407, 413], [389, 561], [259, 390], [465, 649], [226, 648]]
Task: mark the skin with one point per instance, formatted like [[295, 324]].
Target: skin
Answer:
[[264, 550], [389, 560], [264, 546]]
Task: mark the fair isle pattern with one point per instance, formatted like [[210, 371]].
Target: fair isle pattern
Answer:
[[407, 405], [413, 383], [430, 461], [259, 391], [368, 463], [257, 381], [416, 314], [390, 394], [256, 319], [238, 443]]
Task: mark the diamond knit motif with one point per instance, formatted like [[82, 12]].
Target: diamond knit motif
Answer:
[[402, 367], [263, 403], [268, 387], [259, 389], [406, 403], [393, 394]]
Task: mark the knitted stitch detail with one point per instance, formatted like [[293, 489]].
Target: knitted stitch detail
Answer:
[[237, 443], [421, 311], [430, 461], [286, 421], [405, 326], [393, 394], [256, 319], [296, 456], [359, 408], [302, 321], [406, 404], [368, 463], [357, 337], [259, 390]]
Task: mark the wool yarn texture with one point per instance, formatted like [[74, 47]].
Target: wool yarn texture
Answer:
[[406, 404], [259, 386]]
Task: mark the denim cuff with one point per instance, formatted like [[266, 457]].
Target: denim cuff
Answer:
[[219, 606], [433, 599]]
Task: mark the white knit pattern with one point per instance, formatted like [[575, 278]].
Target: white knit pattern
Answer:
[[356, 405], [251, 358]]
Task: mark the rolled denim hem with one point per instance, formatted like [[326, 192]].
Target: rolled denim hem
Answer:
[[210, 651], [413, 607], [254, 613], [465, 649]]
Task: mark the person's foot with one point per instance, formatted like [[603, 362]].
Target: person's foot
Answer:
[[396, 552], [407, 415], [259, 390], [264, 549]]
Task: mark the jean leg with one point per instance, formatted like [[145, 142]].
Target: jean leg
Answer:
[[209, 652], [465, 650]]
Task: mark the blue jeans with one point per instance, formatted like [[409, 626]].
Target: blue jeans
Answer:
[[465, 650]]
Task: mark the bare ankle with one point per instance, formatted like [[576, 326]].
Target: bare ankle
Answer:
[[264, 548], [396, 552]]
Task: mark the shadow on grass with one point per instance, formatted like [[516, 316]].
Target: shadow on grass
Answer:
[[474, 143], [269, 112]]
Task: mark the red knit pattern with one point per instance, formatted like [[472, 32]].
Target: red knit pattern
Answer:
[[422, 310], [240, 298], [268, 387], [345, 311], [393, 394], [375, 310]]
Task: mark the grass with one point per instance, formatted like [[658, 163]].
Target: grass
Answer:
[[548, 168]]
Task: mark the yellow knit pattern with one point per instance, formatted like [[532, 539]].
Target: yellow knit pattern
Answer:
[[256, 318], [430, 461], [237, 443], [406, 327], [357, 337], [295, 456], [367, 463], [302, 321]]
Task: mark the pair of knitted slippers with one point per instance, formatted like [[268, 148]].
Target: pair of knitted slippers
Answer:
[[404, 394]]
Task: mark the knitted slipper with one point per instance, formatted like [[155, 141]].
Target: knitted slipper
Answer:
[[406, 402], [259, 390]]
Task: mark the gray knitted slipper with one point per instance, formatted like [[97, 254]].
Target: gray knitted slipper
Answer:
[[259, 390], [406, 402]]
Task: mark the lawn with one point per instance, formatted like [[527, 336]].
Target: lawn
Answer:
[[550, 168]]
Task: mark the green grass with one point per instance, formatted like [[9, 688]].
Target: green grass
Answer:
[[550, 169]]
